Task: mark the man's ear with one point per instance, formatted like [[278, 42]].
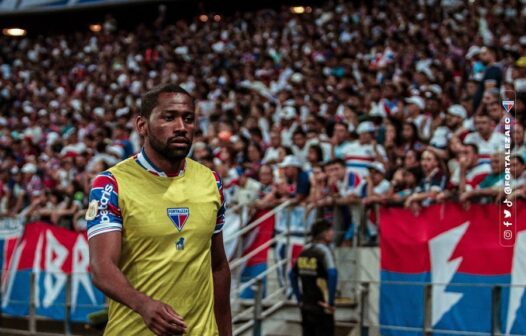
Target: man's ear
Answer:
[[141, 125]]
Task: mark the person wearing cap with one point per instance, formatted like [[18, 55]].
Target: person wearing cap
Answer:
[[288, 124], [456, 114], [415, 106], [360, 153], [32, 181], [316, 269], [295, 180], [376, 186]]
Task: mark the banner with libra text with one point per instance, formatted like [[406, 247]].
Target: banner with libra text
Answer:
[[59, 260], [458, 251]]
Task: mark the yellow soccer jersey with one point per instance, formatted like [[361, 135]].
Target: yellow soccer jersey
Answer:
[[167, 223]]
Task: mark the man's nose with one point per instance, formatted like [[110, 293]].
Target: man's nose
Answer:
[[179, 124]]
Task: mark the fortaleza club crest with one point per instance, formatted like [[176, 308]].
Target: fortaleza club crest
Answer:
[[179, 216], [508, 105]]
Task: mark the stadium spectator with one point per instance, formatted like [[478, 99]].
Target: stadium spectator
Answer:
[[470, 172], [375, 190], [403, 184], [360, 153], [376, 186], [345, 190], [492, 77], [272, 151], [433, 183], [491, 185], [487, 141], [345, 79], [267, 194], [314, 158], [295, 181], [246, 190]]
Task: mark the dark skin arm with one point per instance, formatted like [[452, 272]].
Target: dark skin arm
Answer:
[[105, 250], [221, 273]]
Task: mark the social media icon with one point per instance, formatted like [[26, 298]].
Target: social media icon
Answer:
[[507, 224], [508, 203], [508, 234], [507, 214]]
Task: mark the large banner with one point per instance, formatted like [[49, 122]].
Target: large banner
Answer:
[[51, 254], [460, 251]]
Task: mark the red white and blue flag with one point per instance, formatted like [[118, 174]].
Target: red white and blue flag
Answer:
[[459, 250], [52, 254]]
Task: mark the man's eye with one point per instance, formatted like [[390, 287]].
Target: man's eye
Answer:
[[168, 117], [189, 119]]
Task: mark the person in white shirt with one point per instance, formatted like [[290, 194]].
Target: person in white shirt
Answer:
[[272, 152], [288, 124], [375, 191], [456, 114], [359, 154], [300, 148], [485, 138]]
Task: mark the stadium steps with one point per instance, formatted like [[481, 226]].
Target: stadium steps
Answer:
[[287, 320], [354, 264]]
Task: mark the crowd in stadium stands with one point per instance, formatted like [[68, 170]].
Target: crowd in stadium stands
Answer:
[[396, 103]]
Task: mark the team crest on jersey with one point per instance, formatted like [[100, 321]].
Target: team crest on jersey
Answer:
[[179, 216]]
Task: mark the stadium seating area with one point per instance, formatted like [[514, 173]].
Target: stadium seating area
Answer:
[[343, 104]]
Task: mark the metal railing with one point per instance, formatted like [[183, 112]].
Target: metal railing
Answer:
[[257, 304], [494, 315]]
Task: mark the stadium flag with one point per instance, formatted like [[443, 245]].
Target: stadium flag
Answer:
[[51, 253], [459, 250], [258, 263]]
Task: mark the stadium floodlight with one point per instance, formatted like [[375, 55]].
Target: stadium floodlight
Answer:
[[203, 18], [95, 27], [14, 32], [297, 9], [300, 9]]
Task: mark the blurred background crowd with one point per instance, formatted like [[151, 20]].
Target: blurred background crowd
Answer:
[[396, 102]]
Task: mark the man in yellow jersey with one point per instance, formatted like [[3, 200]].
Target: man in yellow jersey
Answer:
[[155, 230]]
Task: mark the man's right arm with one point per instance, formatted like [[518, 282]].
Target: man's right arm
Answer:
[[105, 234]]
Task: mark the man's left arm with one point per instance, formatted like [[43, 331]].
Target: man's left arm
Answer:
[[221, 273], [221, 269]]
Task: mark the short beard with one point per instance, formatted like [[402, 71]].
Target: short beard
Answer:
[[163, 149]]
